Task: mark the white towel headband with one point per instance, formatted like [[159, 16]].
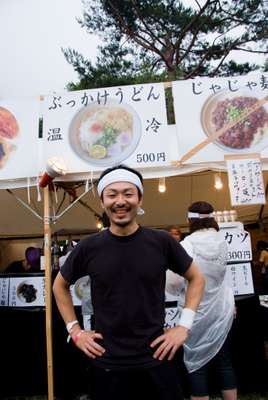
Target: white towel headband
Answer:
[[119, 175], [198, 215]]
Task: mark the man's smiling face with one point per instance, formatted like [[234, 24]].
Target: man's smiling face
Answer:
[[120, 201]]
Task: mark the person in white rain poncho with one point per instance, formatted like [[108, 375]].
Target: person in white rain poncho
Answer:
[[207, 342]]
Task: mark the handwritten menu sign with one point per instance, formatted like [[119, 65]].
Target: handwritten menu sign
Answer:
[[4, 287], [245, 179], [172, 315], [239, 277], [239, 255]]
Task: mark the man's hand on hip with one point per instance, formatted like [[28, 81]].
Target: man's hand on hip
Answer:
[[169, 342], [85, 341]]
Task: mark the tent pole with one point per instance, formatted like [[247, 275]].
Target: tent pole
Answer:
[[48, 297]]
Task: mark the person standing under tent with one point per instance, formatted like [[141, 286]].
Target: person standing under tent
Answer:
[[31, 262], [127, 266], [207, 345], [262, 246], [174, 231]]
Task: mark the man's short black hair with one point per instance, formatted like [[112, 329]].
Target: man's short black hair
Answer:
[[121, 166]]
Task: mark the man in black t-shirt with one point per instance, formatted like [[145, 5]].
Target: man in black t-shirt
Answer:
[[126, 265]]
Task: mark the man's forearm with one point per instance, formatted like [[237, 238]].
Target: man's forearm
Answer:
[[64, 300], [195, 288]]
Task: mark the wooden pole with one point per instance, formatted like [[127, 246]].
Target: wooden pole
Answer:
[[48, 297]]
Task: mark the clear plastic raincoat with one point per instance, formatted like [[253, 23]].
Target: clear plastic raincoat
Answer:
[[214, 316]]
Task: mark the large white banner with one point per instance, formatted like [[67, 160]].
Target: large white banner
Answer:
[[94, 129], [19, 143], [206, 110]]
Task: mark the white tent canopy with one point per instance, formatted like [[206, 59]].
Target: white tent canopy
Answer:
[[161, 209]]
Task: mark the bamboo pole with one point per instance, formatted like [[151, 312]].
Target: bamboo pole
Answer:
[[48, 297]]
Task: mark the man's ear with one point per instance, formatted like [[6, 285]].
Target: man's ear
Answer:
[[102, 205]]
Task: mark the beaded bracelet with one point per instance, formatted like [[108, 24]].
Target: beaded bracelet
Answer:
[[75, 337]]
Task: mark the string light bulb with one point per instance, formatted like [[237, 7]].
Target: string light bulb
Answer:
[[162, 185], [218, 182]]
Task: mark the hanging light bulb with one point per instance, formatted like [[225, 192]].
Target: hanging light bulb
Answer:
[[99, 224], [162, 185], [218, 182]]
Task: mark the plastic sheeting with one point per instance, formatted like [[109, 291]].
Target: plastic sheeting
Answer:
[[214, 316]]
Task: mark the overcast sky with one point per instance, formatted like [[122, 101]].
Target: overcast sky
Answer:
[[32, 33]]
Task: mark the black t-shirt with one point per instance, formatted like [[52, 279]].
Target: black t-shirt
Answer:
[[128, 289]]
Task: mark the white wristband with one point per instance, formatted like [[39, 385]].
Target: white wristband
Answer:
[[70, 324], [186, 318]]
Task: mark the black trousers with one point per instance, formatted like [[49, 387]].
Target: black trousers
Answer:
[[222, 365], [158, 383]]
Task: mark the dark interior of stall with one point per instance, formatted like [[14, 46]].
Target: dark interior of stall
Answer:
[[23, 353], [24, 364]]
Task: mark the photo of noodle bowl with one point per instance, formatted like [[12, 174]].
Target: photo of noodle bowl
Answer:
[[251, 133], [105, 134]]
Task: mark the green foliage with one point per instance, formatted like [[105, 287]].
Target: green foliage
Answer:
[[166, 40]]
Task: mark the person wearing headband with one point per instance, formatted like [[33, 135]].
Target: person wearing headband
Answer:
[[126, 264], [208, 343]]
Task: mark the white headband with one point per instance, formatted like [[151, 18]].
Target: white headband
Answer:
[[119, 175], [198, 215]]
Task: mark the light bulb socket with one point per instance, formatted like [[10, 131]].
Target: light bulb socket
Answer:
[[45, 180]]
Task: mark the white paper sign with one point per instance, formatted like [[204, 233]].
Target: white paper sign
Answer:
[[239, 277], [203, 106], [239, 249], [27, 291], [75, 298], [95, 129], [172, 316], [238, 243], [20, 153], [245, 181], [4, 290]]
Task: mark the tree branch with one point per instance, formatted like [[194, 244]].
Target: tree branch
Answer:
[[192, 22], [192, 42], [252, 51], [157, 39], [220, 63]]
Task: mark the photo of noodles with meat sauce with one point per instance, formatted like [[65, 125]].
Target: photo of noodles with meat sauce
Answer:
[[222, 110], [9, 129], [5, 150], [105, 134], [8, 124]]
